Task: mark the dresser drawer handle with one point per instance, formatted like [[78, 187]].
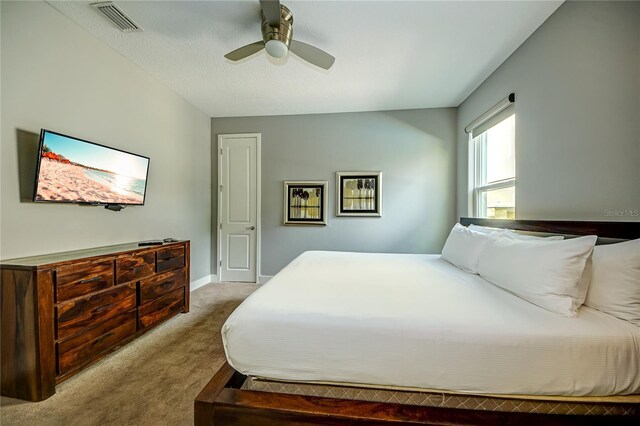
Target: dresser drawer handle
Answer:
[[101, 338], [102, 308], [167, 284], [135, 268], [90, 280]]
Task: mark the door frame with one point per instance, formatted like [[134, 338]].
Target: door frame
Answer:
[[227, 136]]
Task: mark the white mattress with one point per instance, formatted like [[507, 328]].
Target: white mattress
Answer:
[[416, 321]]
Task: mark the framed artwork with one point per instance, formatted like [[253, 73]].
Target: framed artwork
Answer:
[[359, 194], [305, 202]]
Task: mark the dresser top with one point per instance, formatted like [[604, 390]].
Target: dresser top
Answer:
[[54, 258]]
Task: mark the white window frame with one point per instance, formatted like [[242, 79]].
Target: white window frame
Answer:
[[477, 157], [478, 173]]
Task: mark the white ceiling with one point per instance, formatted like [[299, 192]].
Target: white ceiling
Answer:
[[389, 54]]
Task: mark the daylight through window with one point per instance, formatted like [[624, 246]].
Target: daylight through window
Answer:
[[495, 169]]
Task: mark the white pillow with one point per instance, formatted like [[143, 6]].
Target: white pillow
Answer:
[[484, 229], [585, 280], [546, 273], [515, 235], [523, 237], [463, 247], [615, 280], [586, 274]]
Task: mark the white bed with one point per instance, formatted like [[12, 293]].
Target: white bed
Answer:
[[416, 321]]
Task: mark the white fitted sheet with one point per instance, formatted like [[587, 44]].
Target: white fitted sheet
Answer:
[[416, 321]]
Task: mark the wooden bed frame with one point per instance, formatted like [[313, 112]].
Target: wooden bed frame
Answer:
[[222, 402]]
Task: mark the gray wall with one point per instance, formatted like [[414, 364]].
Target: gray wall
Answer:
[[57, 76], [415, 150], [577, 85]]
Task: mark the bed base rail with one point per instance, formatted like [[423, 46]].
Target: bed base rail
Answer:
[[222, 402]]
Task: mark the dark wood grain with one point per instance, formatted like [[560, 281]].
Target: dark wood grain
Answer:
[[242, 407], [204, 403], [187, 268], [46, 332], [62, 377], [131, 267], [100, 339], [74, 297], [161, 308], [221, 402], [82, 278], [97, 331], [80, 314], [159, 285], [28, 365], [19, 371], [622, 230], [57, 260], [170, 258]]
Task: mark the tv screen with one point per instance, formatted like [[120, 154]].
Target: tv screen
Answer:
[[72, 170]]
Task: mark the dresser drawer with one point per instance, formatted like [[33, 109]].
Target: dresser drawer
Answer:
[[87, 346], [132, 267], [80, 314], [82, 278], [161, 308], [159, 285], [170, 258]]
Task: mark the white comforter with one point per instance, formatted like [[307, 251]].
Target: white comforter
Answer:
[[417, 321]]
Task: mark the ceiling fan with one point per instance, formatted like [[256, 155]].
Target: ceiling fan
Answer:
[[277, 38]]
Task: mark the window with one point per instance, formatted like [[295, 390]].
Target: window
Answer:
[[493, 168]]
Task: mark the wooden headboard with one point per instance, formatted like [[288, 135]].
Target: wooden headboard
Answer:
[[621, 230]]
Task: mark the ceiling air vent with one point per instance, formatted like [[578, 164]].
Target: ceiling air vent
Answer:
[[116, 16]]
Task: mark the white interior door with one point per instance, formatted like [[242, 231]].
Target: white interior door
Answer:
[[238, 211]]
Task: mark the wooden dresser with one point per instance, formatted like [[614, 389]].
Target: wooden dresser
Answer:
[[63, 312]]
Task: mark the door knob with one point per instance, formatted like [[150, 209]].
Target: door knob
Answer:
[[251, 228]]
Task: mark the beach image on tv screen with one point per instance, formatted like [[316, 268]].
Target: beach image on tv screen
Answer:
[[75, 171]]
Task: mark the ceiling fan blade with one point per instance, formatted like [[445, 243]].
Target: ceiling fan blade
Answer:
[[271, 10], [312, 54], [245, 51]]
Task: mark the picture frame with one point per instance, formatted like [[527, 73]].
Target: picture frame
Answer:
[[305, 202], [359, 194]]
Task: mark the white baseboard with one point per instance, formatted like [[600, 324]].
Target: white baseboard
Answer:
[[214, 279], [262, 279], [204, 280]]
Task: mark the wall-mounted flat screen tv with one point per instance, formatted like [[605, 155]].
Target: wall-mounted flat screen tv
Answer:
[[72, 170]]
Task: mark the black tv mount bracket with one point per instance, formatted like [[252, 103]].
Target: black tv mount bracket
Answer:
[[115, 207]]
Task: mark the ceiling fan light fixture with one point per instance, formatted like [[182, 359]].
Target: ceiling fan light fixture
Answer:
[[276, 48], [277, 38]]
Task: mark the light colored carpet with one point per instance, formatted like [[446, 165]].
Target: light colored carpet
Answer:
[[151, 381]]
